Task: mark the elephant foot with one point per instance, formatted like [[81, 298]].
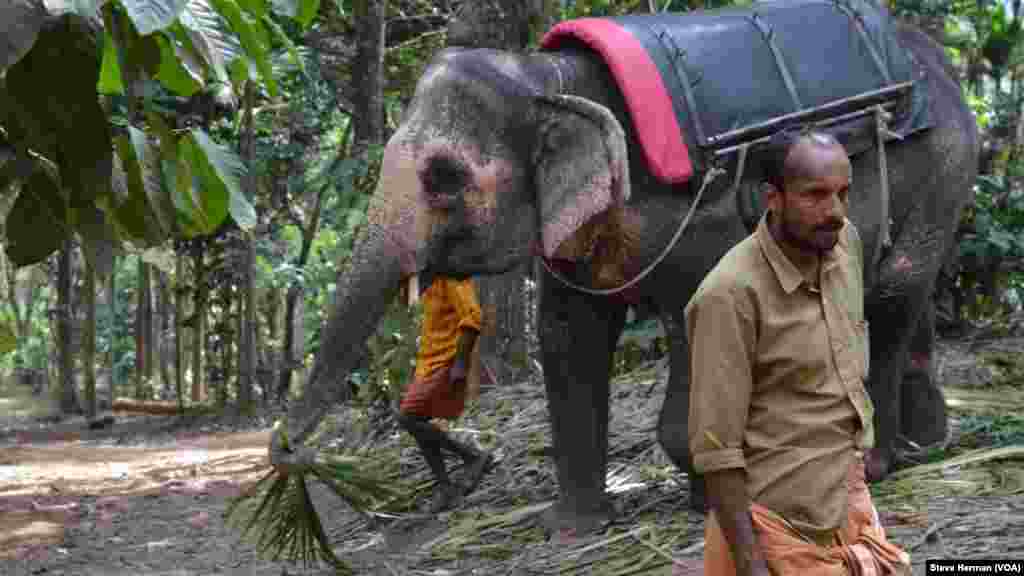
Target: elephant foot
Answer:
[[877, 465], [566, 524]]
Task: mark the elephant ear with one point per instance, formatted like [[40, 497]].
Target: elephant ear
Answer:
[[582, 177]]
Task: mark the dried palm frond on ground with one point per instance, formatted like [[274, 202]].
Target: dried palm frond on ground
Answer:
[[281, 512], [499, 528]]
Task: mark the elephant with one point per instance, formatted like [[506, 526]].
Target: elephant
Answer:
[[503, 157]]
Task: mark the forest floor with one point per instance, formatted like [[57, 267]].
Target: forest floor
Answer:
[[147, 494]]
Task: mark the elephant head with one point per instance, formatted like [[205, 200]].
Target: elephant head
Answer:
[[487, 168]]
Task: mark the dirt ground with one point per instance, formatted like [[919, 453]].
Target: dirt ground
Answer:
[[146, 496]]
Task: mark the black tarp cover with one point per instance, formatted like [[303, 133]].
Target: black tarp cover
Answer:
[[735, 80]]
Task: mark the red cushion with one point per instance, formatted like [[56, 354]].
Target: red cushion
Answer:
[[647, 99]]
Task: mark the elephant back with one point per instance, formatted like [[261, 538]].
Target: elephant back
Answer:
[[700, 84]]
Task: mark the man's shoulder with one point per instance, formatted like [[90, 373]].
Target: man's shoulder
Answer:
[[738, 271]]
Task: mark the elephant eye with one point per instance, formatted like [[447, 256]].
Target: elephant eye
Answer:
[[443, 178]]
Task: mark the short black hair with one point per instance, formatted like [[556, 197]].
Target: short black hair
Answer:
[[781, 144]]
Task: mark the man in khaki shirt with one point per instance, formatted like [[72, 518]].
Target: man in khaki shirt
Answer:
[[779, 416]]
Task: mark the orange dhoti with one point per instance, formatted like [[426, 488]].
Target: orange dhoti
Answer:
[[433, 396], [858, 548]]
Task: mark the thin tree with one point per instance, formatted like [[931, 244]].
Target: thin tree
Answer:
[[247, 324], [88, 358], [69, 396]]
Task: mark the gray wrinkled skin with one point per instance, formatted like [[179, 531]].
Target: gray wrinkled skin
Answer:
[[482, 170]]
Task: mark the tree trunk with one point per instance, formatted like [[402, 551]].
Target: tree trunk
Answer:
[[143, 333], [69, 395], [163, 332], [89, 339], [199, 308], [226, 337], [246, 336], [288, 361], [247, 315], [111, 336], [368, 74], [291, 355], [179, 332]]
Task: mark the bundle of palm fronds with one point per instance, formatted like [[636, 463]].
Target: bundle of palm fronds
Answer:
[[279, 512]]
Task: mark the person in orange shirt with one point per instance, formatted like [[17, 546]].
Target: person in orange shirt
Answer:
[[451, 325]]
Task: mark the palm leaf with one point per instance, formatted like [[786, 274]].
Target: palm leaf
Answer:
[[278, 511]]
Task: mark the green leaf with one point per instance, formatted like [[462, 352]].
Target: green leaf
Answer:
[[58, 114], [17, 167], [257, 8], [178, 72], [8, 340], [20, 22], [37, 223], [110, 69], [210, 195], [302, 11], [152, 15], [135, 215], [223, 171], [209, 36], [293, 51], [287, 8], [307, 12], [254, 38], [99, 239], [177, 181]]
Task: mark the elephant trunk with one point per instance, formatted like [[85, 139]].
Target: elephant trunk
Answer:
[[364, 291]]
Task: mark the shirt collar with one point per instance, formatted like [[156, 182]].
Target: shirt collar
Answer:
[[790, 277]]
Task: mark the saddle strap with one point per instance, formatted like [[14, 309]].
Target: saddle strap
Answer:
[[884, 240]]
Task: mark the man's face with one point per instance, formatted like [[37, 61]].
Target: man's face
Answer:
[[813, 205]]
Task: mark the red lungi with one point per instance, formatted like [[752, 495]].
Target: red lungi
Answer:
[[434, 397]]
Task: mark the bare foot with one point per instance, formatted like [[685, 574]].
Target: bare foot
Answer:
[[476, 471]]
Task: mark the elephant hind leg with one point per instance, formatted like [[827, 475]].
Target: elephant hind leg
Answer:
[[673, 434], [923, 417]]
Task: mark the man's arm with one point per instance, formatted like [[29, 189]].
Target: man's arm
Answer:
[[467, 339], [468, 309], [727, 497], [721, 331]]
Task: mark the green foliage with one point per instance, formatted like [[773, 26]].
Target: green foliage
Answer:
[[149, 50], [8, 339], [596, 8], [392, 352], [991, 430], [641, 341], [998, 230], [1009, 368]]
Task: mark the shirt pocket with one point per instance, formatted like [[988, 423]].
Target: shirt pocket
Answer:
[[863, 333]]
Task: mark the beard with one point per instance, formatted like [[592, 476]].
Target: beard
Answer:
[[818, 239]]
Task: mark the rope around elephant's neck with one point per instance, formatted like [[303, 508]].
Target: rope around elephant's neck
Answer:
[[709, 177]]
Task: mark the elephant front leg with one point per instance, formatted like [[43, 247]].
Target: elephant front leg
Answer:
[[894, 311], [578, 335]]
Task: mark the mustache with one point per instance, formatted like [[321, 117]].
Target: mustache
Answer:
[[834, 226]]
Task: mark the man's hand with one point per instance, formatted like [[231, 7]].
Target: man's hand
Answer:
[[728, 499], [287, 459], [457, 374]]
